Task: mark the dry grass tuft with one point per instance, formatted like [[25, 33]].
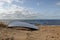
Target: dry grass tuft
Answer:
[[2, 24]]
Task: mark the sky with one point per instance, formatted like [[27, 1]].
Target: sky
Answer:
[[29, 9]]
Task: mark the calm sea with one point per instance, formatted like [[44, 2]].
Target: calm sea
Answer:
[[42, 22]]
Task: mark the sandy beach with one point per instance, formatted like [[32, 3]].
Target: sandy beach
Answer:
[[43, 33]]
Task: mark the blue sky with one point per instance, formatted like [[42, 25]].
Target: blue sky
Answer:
[[42, 5], [30, 9]]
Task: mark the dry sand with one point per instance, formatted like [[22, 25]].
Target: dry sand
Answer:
[[44, 33]]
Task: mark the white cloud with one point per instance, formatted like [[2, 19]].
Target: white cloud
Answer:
[[22, 13], [1, 3], [20, 1], [38, 4], [11, 7], [8, 1], [16, 12], [58, 3]]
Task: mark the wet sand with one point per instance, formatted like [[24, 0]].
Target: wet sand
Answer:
[[44, 33]]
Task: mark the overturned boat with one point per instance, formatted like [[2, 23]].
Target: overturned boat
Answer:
[[20, 24]]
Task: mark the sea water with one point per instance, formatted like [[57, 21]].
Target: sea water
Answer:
[[39, 21]]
